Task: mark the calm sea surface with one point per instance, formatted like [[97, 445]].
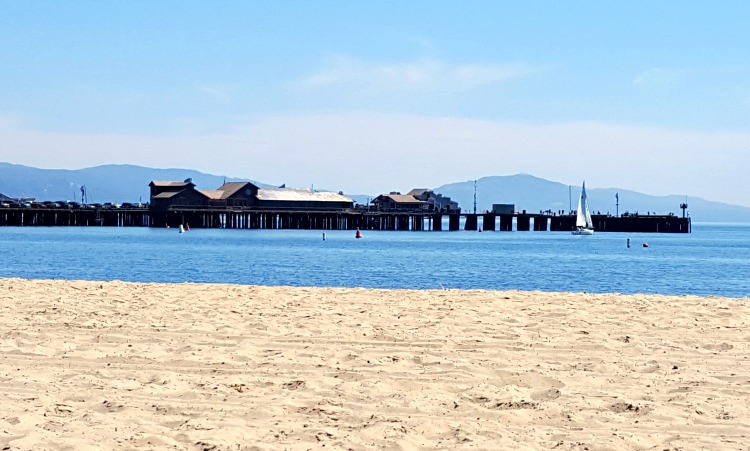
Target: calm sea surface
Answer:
[[713, 260]]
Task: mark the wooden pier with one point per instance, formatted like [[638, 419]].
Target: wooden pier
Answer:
[[74, 217], [334, 220], [411, 221]]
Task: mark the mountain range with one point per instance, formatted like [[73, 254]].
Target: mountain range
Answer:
[[129, 183], [533, 194], [108, 183]]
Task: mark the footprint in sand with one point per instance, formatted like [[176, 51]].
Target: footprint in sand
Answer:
[[718, 347], [625, 407], [546, 395], [294, 385]]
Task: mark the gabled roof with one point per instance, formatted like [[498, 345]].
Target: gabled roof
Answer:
[[213, 194], [229, 189], [167, 195], [171, 194], [170, 184], [288, 194], [401, 198]]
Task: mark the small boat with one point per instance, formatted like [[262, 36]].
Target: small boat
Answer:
[[584, 225]]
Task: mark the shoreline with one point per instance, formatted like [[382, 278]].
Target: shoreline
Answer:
[[190, 365]]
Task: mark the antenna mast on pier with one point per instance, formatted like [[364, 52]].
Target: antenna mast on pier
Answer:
[[84, 200], [617, 204], [475, 197]]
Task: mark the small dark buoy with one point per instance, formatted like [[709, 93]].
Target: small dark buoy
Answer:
[[359, 234], [324, 236], [645, 244], [628, 243]]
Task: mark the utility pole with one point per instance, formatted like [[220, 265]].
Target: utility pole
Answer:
[[475, 197]]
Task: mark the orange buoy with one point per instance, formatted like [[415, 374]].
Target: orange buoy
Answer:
[[359, 234]]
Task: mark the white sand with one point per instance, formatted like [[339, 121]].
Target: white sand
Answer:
[[112, 365]]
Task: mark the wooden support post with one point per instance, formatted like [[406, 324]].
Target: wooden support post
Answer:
[[437, 223], [488, 222], [471, 222], [454, 222], [506, 223], [523, 223]]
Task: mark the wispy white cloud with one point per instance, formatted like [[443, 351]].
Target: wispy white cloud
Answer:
[[218, 94], [425, 74], [658, 79], [10, 122]]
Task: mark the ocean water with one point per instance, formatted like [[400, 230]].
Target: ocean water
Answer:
[[713, 260]]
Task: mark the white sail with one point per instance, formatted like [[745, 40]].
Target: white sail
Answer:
[[587, 213], [583, 215]]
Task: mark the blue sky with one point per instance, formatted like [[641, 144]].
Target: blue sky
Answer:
[[371, 97]]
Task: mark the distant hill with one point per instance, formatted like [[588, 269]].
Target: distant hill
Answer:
[[534, 194], [129, 183], [109, 183]]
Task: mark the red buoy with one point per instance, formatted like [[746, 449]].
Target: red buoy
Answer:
[[359, 234]]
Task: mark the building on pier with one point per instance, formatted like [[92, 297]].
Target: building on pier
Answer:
[[436, 201], [166, 194], [396, 201], [233, 195], [243, 195], [302, 199], [415, 200]]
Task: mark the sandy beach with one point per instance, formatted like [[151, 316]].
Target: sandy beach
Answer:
[[114, 365]]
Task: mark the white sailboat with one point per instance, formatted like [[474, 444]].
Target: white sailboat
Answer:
[[584, 225]]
